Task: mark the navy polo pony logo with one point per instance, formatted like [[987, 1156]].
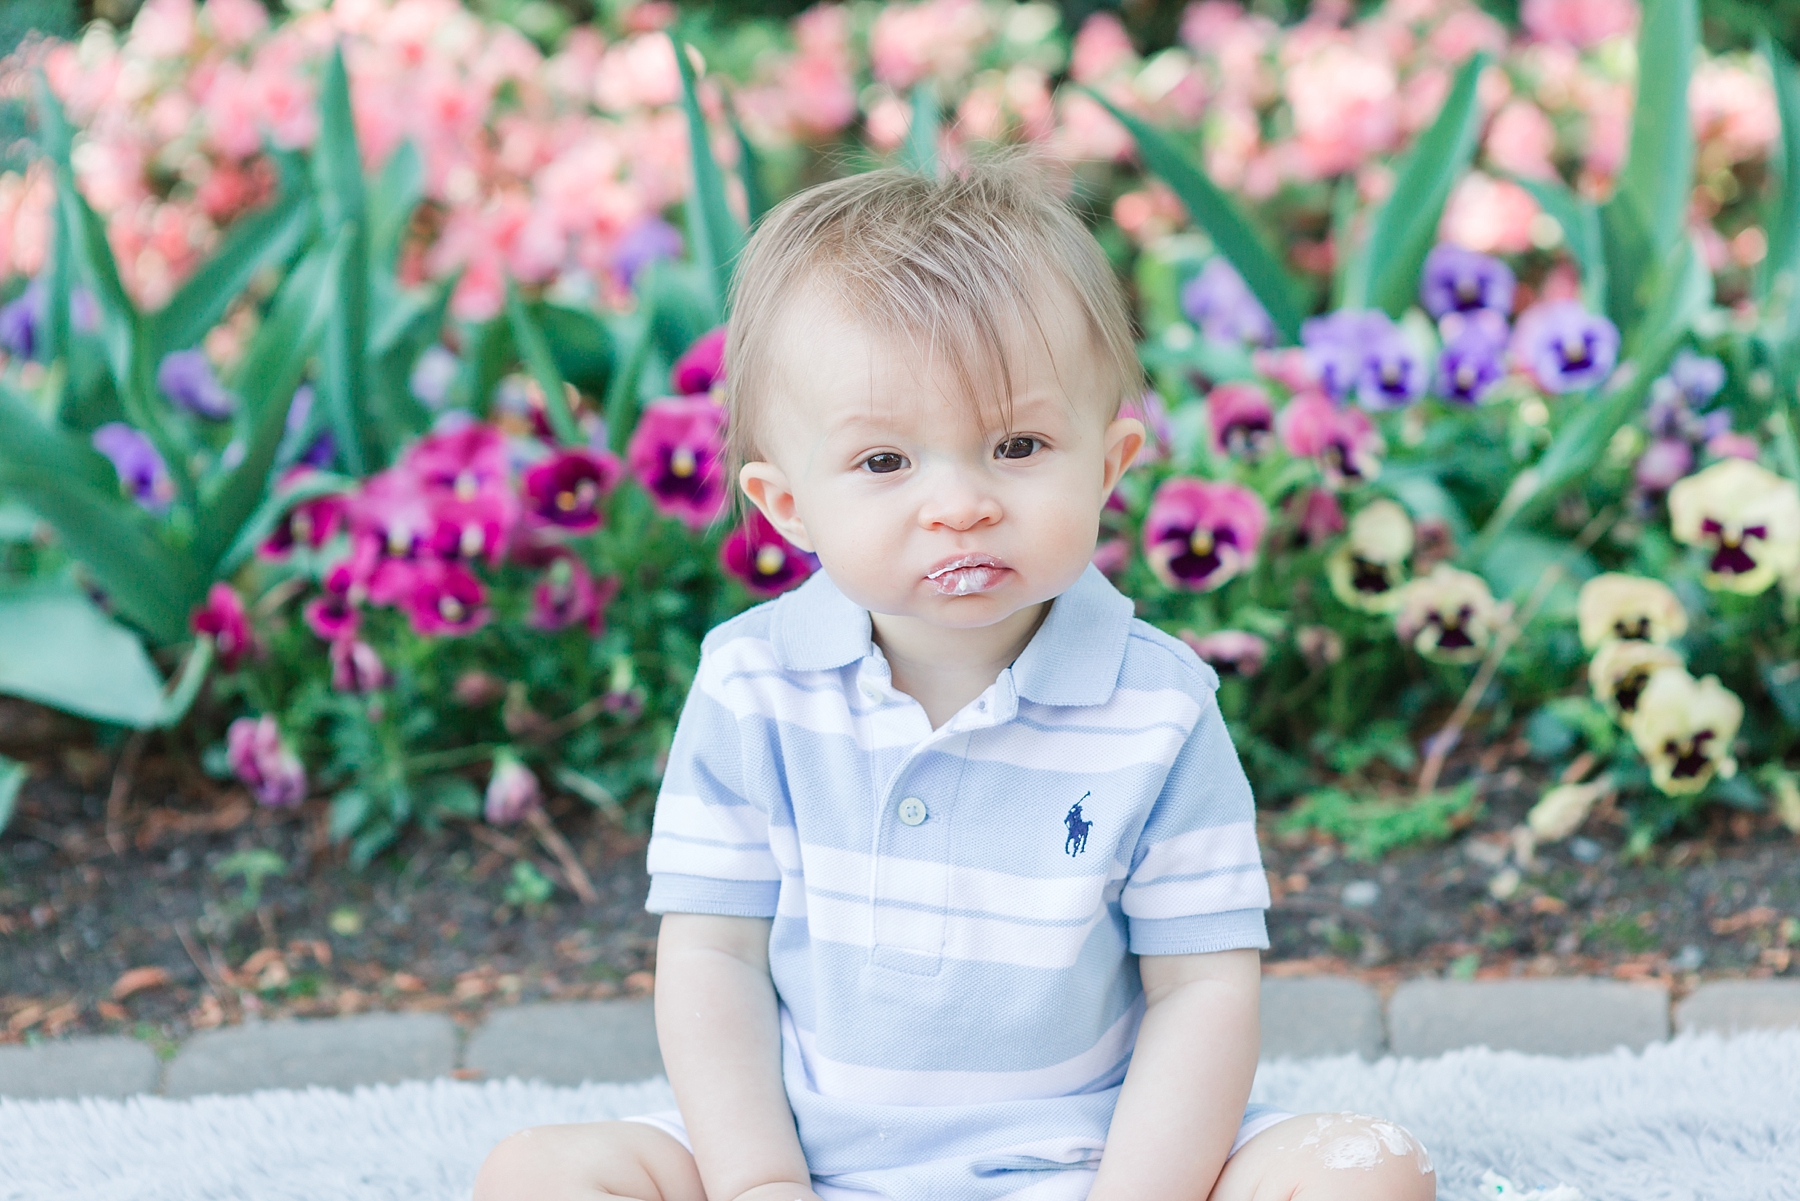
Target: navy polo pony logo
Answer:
[[1078, 828]]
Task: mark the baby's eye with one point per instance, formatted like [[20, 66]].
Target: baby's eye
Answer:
[[885, 462], [1017, 448]]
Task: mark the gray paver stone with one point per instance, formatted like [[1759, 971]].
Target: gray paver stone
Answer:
[[568, 1042], [1547, 1017], [374, 1048], [81, 1067], [1305, 1016], [1727, 1005]]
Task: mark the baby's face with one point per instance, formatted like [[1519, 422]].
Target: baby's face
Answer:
[[918, 503]]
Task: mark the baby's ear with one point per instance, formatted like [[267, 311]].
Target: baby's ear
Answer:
[[768, 489], [1124, 439]]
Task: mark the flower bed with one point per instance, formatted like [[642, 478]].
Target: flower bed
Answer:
[[406, 381]]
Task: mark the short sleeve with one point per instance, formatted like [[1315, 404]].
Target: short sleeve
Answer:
[[1196, 882], [709, 840]]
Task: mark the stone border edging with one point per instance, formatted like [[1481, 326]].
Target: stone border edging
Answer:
[[573, 1042]]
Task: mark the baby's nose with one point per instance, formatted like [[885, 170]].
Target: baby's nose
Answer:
[[959, 503]]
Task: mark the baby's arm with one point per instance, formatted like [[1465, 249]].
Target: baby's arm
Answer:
[[721, 1045], [1189, 1078]]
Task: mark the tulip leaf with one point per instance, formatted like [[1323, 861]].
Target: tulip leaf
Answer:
[[121, 327], [397, 193], [57, 649], [1658, 177], [750, 170], [343, 385], [272, 369], [1629, 257], [270, 235], [1781, 267], [713, 230], [919, 151], [1220, 217], [12, 779], [637, 333], [580, 343], [57, 326], [1579, 220], [487, 355], [1403, 232], [535, 350], [69, 485]]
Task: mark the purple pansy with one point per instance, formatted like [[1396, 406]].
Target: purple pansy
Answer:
[[567, 594], [20, 320], [1338, 344], [1242, 419], [1664, 462], [186, 377], [649, 241], [142, 473], [677, 453], [432, 375], [1224, 308], [701, 366], [1462, 281], [565, 489], [1394, 373], [357, 667], [1564, 346], [1699, 377], [513, 792], [1473, 358], [223, 618], [1199, 534]]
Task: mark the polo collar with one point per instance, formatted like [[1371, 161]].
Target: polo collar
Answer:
[[1073, 659]]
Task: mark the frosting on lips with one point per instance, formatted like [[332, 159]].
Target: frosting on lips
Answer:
[[967, 575]]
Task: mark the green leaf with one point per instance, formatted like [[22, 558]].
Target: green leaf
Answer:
[[57, 649], [1370, 827], [397, 193], [271, 370], [536, 353], [581, 344], [1407, 226], [1783, 222], [713, 231], [1580, 222], [1630, 258], [1658, 177], [750, 170], [12, 779], [269, 235], [919, 152], [66, 483], [1219, 216], [343, 384]]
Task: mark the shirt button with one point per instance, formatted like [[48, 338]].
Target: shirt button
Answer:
[[912, 811], [871, 690]]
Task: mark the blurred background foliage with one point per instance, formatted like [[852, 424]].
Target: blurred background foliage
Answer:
[[1729, 24]]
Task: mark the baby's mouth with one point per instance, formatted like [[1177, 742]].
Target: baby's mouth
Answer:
[[968, 575]]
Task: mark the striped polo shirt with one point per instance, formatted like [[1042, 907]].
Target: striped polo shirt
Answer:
[[956, 912]]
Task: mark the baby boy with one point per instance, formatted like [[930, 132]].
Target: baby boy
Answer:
[[959, 870]]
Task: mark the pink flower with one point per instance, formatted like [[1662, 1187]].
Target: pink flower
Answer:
[[1489, 215], [464, 483], [1321, 516], [1231, 652], [356, 667], [1242, 419], [235, 22], [1199, 534], [701, 366], [1729, 445], [1346, 107], [310, 523], [766, 562], [1101, 47], [1733, 111], [334, 615], [934, 37], [262, 759], [567, 594], [1112, 555], [1343, 441], [1521, 141], [1581, 23], [224, 619], [513, 792], [564, 491], [444, 599], [677, 452], [1664, 463]]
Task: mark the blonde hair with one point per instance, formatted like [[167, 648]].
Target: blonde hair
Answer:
[[945, 261]]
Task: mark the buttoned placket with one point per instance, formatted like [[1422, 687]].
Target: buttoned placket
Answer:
[[912, 815]]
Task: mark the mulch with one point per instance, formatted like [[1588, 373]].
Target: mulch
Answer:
[[124, 917]]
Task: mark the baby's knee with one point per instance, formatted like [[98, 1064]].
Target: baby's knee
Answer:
[[510, 1168], [1353, 1156]]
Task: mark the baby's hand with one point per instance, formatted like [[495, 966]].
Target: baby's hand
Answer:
[[779, 1191]]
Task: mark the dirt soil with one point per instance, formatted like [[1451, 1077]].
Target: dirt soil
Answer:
[[140, 925]]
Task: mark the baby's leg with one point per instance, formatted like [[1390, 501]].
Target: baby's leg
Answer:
[[1329, 1157], [589, 1162]]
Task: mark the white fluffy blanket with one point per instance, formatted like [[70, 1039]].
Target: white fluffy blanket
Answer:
[[1696, 1118]]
